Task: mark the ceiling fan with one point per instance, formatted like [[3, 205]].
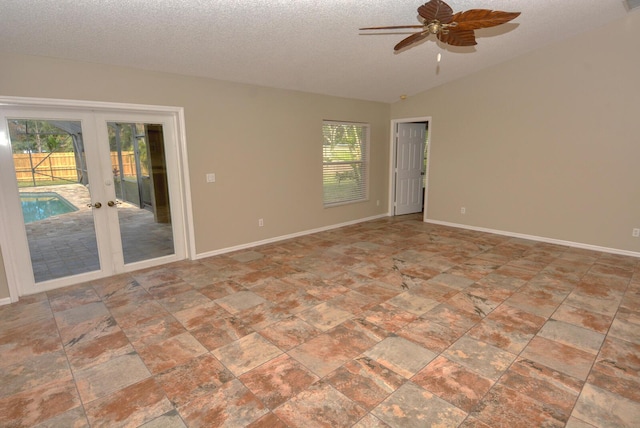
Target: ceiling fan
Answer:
[[438, 18]]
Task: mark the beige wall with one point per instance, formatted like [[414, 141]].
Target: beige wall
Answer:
[[547, 144], [4, 286], [264, 145]]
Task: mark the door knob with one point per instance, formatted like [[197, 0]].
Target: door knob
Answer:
[[96, 205], [113, 203]]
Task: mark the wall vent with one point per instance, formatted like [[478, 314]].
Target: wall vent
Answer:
[[632, 4]]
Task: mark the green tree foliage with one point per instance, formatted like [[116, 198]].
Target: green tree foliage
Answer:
[[343, 143], [128, 133], [38, 136]]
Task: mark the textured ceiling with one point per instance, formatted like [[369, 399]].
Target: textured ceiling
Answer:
[[306, 45]]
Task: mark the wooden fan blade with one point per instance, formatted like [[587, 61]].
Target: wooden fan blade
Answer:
[[393, 27], [415, 37], [455, 37], [436, 9], [474, 19]]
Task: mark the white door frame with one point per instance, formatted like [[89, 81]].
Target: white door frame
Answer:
[[393, 160], [13, 268]]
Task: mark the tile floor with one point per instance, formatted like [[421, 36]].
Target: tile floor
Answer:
[[391, 322]]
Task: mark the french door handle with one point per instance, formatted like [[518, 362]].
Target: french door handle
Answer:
[[113, 203], [96, 205]]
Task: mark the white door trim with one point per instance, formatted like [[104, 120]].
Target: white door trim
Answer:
[[12, 269], [393, 160]]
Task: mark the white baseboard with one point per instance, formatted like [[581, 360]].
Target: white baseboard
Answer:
[[539, 238], [284, 237], [5, 301]]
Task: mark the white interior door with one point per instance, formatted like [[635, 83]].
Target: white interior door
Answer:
[[71, 161], [410, 146]]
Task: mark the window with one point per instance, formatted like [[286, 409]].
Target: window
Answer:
[[344, 162]]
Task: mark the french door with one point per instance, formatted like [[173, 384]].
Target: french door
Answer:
[[87, 194]]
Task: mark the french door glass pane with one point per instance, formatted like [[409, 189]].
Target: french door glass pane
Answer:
[[53, 183], [140, 178]]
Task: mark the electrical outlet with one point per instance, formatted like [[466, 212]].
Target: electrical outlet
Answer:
[[211, 178], [260, 222], [635, 233], [463, 210]]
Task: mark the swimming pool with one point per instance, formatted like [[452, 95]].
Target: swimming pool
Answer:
[[39, 206]]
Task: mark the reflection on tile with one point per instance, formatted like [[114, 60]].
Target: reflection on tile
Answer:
[[626, 325], [353, 302], [452, 281], [240, 301], [412, 302], [325, 316], [583, 318], [501, 336], [478, 305], [472, 422], [617, 368], [74, 418], [555, 390], [170, 419], [453, 383], [535, 303], [181, 301], [602, 408], [370, 421], [267, 421], [67, 298], [137, 313], [320, 405], [557, 356], [365, 381], [246, 353], [29, 407], [411, 406], [289, 333], [34, 372], [389, 317], [506, 407], [82, 313], [91, 329], [28, 341], [171, 352], [220, 332], [200, 315], [112, 375], [568, 334], [231, 405], [486, 360], [197, 377], [153, 331], [322, 354], [218, 289], [99, 350], [431, 335], [400, 355]]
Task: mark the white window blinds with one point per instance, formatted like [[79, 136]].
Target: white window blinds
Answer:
[[344, 162]]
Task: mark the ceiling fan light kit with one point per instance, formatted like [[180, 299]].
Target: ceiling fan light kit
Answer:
[[457, 29]]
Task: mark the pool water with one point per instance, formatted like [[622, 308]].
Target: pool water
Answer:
[[39, 206]]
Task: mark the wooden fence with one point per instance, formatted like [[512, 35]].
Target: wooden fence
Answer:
[[61, 166]]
